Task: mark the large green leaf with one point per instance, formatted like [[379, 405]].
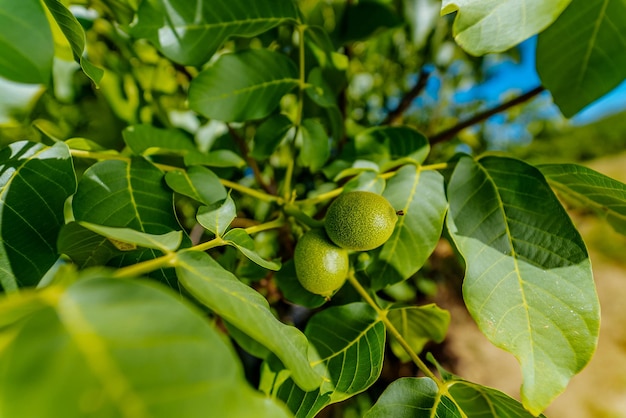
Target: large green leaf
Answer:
[[528, 281], [26, 47], [418, 325], [350, 342], [581, 56], [35, 182], [248, 311], [420, 195], [75, 35], [124, 349], [127, 194], [484, 26], [190, 31], [243, 86], [590, 189], [416, 397]]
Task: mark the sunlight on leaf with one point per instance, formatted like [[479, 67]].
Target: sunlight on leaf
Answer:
[[528, 281]]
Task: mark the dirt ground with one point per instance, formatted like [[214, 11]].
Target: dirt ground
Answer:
[[599, 391]]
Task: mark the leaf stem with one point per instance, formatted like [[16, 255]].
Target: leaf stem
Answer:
[[382, 313], [251, 192]]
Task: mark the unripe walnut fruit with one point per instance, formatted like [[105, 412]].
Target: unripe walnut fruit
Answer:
[[360, 220]]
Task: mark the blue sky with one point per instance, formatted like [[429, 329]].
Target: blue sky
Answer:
[[507, 75]]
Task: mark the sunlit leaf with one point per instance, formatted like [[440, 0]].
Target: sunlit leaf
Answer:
[[247, 310], [35, 182], [485, 26], [217, 218], [75, 35], [26, 47], [528, 281], [350, 341], [190, 31], [420, 195], [108, 339], [198, 183], [169, 241], [239, 239], [217, 158], [581, 56], [590, 189], [243, 86]]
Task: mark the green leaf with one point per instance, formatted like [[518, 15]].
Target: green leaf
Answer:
[[109, 338], [420, 195], [485, 26], [292, 290], [269, 135], [198, 183], [164, 242], [384, 145], [35, 182], [218, 158], [350, 342], [75, 35], [418, 325], [366, 180], [243, 86], [84, 247], [581, 56], [26, 47], [315, 145], [191, 31], [247, 310], [239, 239], [218, 217], [127, 194], [590, 189], [410, 397], [147, 140], [363, 19], [528, 281]]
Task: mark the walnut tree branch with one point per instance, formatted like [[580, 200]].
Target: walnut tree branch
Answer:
[[407, 99], [451, 132]]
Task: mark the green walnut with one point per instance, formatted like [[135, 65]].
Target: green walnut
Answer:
[[360, 220], [321, 266]]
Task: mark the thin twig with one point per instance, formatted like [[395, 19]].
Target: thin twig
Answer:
[[243, 146], [407, 99], [451, 132]]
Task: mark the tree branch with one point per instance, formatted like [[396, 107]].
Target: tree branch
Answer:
[[407, 99], [451, 132], [241, 143]]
